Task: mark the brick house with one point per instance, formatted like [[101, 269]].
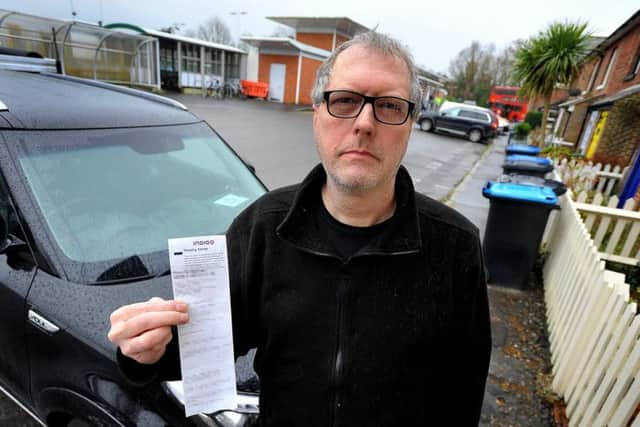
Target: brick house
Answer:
[[603, 120], [289, 65]]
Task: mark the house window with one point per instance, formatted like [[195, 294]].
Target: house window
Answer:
[[635, 67], [592, 79], [612, 61]]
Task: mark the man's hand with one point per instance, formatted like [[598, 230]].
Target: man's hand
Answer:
[[143, 330]]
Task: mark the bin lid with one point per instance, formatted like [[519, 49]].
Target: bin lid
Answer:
[[558, 187], [522, 149], [520, 192], [524, 166], [524, 158]]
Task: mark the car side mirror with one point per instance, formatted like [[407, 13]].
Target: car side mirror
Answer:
[[249, 165], [5, 242], [443, 113]]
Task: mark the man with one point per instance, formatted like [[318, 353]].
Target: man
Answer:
[[366, 301], [439, 100]]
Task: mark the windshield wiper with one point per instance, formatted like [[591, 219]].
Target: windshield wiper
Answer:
[[163, 273], [131, 268]]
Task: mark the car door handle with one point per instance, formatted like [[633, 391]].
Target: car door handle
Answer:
[[42, 323]]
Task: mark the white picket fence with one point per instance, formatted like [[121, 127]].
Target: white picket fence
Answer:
[[585, 176], [614, 231], [593, 328]]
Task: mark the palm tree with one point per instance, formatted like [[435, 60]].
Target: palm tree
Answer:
[[553, 56]]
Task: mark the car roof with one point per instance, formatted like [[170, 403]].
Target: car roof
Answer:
[[33, 100], [451, 104]]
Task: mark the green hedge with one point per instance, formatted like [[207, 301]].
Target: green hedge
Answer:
[[534, 118]]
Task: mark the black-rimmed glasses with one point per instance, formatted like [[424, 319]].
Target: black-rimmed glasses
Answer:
[[390, 110]]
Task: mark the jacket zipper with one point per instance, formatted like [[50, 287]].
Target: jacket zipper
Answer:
[[341, 320], [339, 354]]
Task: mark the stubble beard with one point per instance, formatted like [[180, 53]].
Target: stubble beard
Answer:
[[352, 185], [357, 185]]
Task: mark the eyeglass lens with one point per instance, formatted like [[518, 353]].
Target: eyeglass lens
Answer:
[[389, 110]]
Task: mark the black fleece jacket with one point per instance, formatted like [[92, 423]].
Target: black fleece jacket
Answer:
[[396, 335]]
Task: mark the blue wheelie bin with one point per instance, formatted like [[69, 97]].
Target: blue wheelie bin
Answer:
[[517, 218], [530, 150]]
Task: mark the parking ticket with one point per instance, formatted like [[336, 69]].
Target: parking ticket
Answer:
[[200, 277]]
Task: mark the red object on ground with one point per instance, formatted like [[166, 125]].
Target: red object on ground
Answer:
[[255, 89]]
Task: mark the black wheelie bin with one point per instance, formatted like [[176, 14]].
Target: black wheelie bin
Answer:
[[517, 218]]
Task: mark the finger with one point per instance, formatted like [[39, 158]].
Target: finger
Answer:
[[158, 349], [143, 322], [147, 342], [154, 304], [153, 355]]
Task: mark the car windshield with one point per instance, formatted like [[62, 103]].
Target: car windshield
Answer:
[[114, 197]]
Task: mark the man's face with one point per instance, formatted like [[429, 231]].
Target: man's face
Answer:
[[362, 154]]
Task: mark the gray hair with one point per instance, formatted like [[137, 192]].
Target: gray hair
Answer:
[[377, 42]]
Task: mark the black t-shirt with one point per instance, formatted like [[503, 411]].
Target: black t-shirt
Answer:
[[345, 239]]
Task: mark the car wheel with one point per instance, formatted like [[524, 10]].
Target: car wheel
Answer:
[[426, 125], [475, 135]]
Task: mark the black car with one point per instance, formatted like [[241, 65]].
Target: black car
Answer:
[[94, 179], [474, 123]]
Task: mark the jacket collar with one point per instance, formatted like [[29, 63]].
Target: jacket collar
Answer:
[[300, 226]]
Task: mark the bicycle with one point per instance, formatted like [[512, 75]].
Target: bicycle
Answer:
[[231, 90], [215, 89]]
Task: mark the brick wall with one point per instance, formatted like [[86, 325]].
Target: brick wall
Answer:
[[323, 41], [557, 96], [307, 78], [290, 76], [583, 79], [626, 53], [621, 135]]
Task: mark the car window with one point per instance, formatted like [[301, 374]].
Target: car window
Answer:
[[451, 112], [466, 114], [111, 194], [483, 117], [474, 115]]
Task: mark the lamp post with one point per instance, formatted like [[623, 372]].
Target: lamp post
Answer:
[[237, 15]]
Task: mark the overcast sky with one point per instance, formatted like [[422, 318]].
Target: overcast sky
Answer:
[[435, 30]]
